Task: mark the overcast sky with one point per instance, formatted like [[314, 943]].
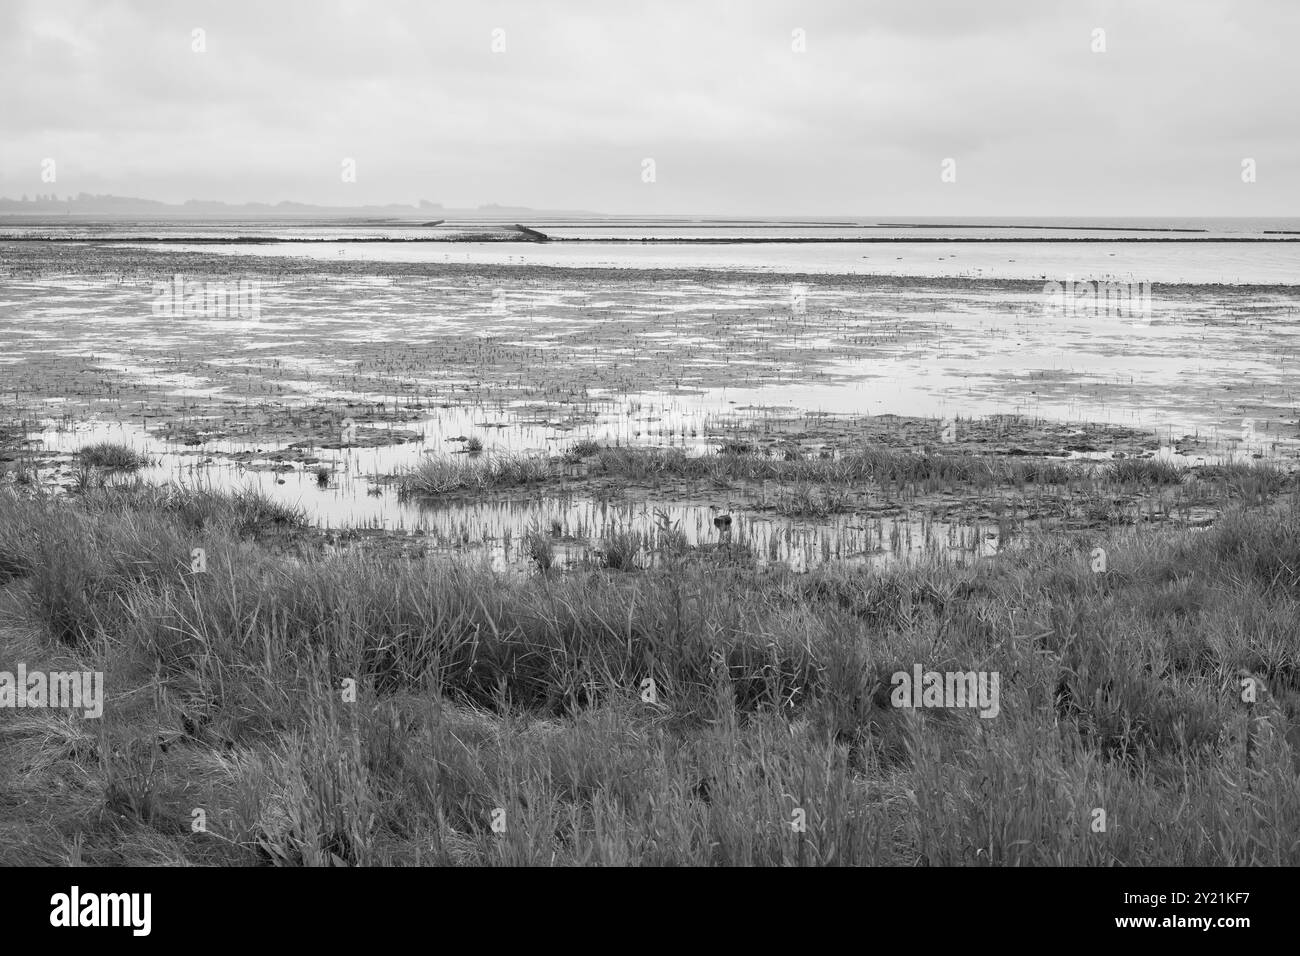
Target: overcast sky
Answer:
[[735, 119]]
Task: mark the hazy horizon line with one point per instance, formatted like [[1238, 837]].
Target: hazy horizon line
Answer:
[[429, 205]]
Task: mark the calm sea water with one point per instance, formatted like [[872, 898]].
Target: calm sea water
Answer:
[[1157, 263], [633, 228], [1151, 250]]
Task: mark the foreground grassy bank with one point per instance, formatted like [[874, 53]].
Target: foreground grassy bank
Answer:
[[523, 700]]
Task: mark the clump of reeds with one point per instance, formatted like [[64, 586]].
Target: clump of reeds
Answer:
[[1147, 471], [619, 551], [540, 549], [440, 476], [814, 501], [113, 456], [584, 448]]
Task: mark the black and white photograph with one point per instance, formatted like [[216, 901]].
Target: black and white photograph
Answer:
[[689, 434]]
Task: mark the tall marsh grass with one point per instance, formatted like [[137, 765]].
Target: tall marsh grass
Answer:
[[484, 696]]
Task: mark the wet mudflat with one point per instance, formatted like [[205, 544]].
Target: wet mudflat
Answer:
[[354, 375]]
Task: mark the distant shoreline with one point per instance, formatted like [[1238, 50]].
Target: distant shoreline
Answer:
[[151, 262], [655, 240]]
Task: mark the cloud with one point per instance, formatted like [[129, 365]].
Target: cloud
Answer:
[[736, 120]]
